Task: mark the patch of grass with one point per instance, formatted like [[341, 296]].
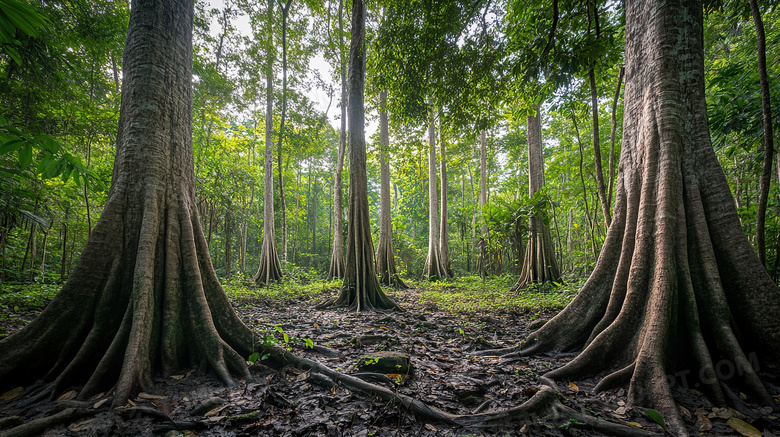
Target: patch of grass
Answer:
[[27, 296], [246, 292], [471, 294]]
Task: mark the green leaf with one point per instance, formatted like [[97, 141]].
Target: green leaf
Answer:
[[12, 146], [309, 343], [25, 155], [252, 358], [656, 416], [286, 337], [265, 357]]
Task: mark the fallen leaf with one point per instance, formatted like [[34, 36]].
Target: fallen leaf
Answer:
[[743, 428], [720, 413], [702, 423], [385, 327], [10, 394], [67, 396], [150, 396], [430, 427], [99, 403], [316, 325], [621, 411], [177, 376], [684, 411], [215, 411], [635, 425], [79, 426], [573, 387]]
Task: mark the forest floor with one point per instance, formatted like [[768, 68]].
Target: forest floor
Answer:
[[441, 325]]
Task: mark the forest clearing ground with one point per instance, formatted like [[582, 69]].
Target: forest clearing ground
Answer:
[[442, 324]]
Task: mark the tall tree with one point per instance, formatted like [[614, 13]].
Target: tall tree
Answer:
[[269, 269], [361, 289], [677, 285], [385, 255], [282, 203], [144, 298], [336, 269], [539, 264], [766, 112], [434, 266]]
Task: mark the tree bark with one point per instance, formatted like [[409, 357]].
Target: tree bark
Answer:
[[269, 269], [444, 240], [434, 267], [385, 255], [766, 112], [678, 287], [336, 269], [144, 298], [594, 103], [539, 264], [361, 289]]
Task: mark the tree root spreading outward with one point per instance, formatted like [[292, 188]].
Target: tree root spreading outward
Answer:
[[544, 405]]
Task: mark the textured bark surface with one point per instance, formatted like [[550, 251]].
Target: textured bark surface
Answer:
[[385, 255], [144, 299], [269, 269], [434, 268], [677, 289], [361, 289], [336, 269], [539, 264]]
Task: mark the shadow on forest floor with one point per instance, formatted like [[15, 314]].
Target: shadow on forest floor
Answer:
[[441, 325]]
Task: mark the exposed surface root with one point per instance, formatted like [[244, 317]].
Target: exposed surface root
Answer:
[[38, 426]]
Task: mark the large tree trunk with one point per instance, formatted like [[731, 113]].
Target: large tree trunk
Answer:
[[269, 269], [361, 289], [434, 267], [144, 299], [539, 265], [336, 269], [385, 255], [678, 287], [766, 110]]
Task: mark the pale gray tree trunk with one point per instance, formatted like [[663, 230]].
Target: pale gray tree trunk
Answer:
[[269, 269], [385, 255], [434, 268], [444, 241], [539, 264]]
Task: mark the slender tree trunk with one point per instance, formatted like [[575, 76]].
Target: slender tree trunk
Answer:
[[482, 260], [612, 137], [444, 241], [361, 289], [336, 269], [282, 201], [385, 255], [584, 188], [269, 269], [678, 286], [593, 16], [539, 264], [434, 268], [766, 111]]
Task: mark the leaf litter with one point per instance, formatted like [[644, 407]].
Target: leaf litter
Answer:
[[444, 374]]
